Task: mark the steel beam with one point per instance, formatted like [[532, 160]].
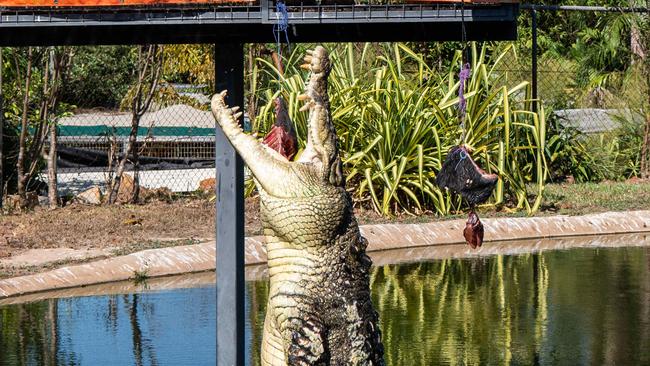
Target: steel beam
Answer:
[[229, 75], [372, 23], [50, 34]]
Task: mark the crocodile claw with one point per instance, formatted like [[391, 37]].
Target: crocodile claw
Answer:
[[316, 61], [305, 107]]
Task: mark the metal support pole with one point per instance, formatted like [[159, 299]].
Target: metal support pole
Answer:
[[534, 59], [229, 75]]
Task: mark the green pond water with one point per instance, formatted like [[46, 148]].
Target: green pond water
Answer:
[[572, 307]]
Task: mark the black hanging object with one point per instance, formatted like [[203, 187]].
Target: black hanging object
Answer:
[[459, 172], [461, 175]]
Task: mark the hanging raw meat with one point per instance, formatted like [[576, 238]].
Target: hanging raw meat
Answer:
[[282, 136]]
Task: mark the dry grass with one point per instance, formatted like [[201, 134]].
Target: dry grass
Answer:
[[131, 228]]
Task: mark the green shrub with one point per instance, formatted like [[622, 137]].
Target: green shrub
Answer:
[[617, 153], [396, 118], [569, 154], [99, 76]]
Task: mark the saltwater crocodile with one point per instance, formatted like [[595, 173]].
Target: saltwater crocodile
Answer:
[[319, 309]]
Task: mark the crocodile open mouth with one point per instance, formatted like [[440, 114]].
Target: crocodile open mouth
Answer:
[[282, 136]]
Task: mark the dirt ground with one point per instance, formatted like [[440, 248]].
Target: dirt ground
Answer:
[[124, 229], [111, 230]]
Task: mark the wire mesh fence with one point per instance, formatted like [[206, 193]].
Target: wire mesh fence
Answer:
[[561, 90], [175, 148], [175, 137]]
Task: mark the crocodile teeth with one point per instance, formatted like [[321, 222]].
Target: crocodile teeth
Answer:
[[308, 58], [237, 115], [303, 97], [234, 109], [305, 66], [310, 52], [223, 93]]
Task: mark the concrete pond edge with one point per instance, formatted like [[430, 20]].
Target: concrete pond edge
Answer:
[[381, 237]]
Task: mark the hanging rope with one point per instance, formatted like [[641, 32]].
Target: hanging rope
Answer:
[[281, 26], [463, 76], [462, 155]]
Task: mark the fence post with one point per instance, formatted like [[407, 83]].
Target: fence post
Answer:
[[534, 58], [229, 74]]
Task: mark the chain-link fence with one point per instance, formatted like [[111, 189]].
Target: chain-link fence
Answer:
[[175, 138], [583, 92], [588, 68], [175, 146], [563, 92]]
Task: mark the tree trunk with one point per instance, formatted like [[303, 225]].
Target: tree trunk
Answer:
[[148, 68], [136, 176], [56, 69], [22, 140], [253, 52], [130, 147], [52, 191]]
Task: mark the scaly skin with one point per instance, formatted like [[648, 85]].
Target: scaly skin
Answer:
[[319, 310]]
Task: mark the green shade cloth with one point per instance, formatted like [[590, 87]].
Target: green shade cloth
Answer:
[[103, 130]]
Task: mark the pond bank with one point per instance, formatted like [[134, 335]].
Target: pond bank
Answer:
[[417, 241]]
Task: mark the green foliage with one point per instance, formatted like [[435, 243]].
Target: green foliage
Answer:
[[568, 154], [41, 107], [591, 59], [396, 118], [9, 155], [585, 56], [140, 277], [189, 63], [617, 153], [558, 31], [613, 155], [99, 76]]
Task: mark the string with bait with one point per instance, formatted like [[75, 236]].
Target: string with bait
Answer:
[[282, 135], [459, 173]]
